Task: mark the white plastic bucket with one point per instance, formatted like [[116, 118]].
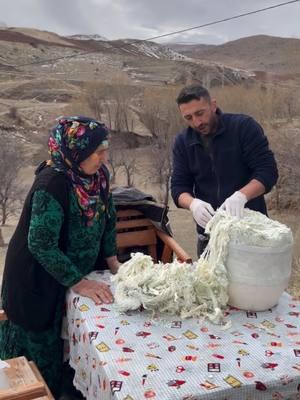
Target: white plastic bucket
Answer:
[[257, 275]]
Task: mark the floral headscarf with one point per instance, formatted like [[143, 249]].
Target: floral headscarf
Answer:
[[72, 141]]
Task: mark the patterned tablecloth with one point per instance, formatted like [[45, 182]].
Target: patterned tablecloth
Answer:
[[135, 357]]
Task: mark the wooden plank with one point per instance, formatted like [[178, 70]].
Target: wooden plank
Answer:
[[136, 238], [41, 379], [20, 381], [133, 223], [167, 254], [19, 372], [29, 392], [152, 252], [128, 213]]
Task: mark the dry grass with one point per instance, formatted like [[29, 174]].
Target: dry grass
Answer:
[[292, 219]]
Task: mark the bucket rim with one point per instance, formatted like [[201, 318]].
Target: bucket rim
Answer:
[[261, 249]]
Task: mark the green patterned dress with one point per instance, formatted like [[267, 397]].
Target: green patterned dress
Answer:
[[67, 268]]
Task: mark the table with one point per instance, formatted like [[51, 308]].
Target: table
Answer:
[[135, 357]]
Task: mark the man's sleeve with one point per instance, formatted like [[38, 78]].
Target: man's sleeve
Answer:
[[182, 179], [257, 154]]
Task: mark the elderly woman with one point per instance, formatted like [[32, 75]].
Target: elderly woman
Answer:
[[67, 219]]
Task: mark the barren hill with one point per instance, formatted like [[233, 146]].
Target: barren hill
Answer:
[[261, 52], [34, 49]]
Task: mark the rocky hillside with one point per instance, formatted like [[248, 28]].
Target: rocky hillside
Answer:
[[261, 52], [34, 52]]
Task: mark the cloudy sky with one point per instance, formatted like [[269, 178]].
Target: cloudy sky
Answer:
[[142, 19]]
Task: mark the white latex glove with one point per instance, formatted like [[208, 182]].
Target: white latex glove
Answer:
[[234, 205], [202, 212]]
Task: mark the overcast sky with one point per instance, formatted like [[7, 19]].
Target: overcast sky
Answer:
[[141, 19]]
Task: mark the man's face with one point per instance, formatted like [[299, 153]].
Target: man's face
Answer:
[[200, 115]]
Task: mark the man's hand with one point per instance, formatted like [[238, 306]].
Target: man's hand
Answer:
[[97, 291], [202, 212], [234, 205]]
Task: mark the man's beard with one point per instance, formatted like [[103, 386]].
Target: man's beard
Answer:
[[209, 128]]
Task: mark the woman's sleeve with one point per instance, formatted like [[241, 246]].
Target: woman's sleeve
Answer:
[[109, 241], [47, 217]]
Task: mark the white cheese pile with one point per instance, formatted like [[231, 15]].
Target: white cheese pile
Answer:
[[198, 289], [188, 290], [255, 229]]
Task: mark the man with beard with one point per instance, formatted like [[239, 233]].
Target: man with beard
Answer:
[[219, 160]]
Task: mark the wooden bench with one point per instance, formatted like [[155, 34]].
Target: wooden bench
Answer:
[[136, 231]]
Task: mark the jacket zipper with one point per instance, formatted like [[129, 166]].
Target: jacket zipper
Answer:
[[211, 156]]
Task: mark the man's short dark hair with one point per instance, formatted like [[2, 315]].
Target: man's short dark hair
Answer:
[[192, 92]]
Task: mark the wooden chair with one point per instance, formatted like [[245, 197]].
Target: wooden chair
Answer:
[[134, 230], [23, 381]]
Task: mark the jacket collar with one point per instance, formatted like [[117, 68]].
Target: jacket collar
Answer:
[[193, 137]]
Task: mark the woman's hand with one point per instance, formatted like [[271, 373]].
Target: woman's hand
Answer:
[[113, 264], [99, 292]]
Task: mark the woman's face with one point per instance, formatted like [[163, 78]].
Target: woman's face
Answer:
[[91, 164]]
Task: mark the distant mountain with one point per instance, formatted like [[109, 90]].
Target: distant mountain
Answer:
[[53, 60], [34, 36], [87, 37], [261, 52], [191, 50], [97, 43], [148, 49]]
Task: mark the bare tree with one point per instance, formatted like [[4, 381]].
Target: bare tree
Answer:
[[1, 239], [128, 163], [113, 162], [285, 142], [11, 161], [121, 115], [265, 103], [108, 102], [163, 164], [95, 97], [160, 115]]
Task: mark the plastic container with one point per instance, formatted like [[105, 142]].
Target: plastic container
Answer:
[[257, 275]]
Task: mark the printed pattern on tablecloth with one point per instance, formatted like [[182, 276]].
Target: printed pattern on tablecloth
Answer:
[[134, 357]]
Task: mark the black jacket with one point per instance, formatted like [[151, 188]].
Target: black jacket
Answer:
[[238, 152], [30, 294]]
